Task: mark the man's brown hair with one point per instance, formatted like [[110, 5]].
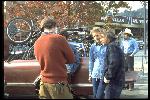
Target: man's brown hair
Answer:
[[48, 23]]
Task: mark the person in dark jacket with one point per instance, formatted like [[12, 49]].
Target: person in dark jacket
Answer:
[[114, 75]]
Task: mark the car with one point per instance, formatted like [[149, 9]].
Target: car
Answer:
[[140, 44]]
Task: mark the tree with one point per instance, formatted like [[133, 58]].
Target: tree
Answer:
[[135, 13], [66, 13]]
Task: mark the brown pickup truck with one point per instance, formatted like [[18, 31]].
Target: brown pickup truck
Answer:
[[20, 75]]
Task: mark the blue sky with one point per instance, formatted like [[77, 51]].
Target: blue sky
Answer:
[[134, 4]]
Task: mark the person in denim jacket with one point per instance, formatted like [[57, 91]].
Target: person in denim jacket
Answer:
[[72, 68], [130, 47], [97, 55]]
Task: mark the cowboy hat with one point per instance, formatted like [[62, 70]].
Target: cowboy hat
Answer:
[[128, 31]]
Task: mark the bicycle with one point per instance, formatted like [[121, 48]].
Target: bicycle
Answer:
[[23, 32], [20, 30]]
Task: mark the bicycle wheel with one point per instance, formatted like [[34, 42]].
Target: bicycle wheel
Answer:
[[19, 30]]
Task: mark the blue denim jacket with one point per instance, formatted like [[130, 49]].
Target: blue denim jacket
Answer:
[[129, 46], [97, 55], [71, 68]]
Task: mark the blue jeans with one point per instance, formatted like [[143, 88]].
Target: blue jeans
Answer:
[[113, 91], [129, 62], [98, 88], [129, 66]]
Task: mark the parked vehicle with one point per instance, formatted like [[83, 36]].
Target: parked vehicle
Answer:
[[21, 74], [140, 44]]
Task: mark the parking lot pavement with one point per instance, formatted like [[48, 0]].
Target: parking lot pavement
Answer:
[[140, 89], [141, 85]]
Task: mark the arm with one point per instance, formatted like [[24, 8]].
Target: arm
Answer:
[[68, 53], [121, 46], [74, 66], [136, 48], [113, 62], [91, 60]]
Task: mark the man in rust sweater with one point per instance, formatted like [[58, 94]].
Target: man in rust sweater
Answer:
[[52, 52]]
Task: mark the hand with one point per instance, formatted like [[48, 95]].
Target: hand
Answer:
[[106, 81], [69, 77], [131, 55], [90, 79]]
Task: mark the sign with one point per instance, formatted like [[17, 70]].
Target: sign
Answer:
[[136, 20], [120, 19], [125, 20]]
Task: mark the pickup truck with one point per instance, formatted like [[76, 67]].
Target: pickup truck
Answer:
[[19, 76]]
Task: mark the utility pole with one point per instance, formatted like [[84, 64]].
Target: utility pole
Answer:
[[145, 28]]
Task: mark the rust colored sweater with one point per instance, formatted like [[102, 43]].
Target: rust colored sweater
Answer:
[[52, 52]]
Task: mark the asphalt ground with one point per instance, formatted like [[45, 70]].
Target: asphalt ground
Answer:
[[140, 90]]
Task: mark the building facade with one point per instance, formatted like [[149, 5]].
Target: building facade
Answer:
[[121, 22]]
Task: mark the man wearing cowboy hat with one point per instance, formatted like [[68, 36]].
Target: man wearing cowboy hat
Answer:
[[130, 47]]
